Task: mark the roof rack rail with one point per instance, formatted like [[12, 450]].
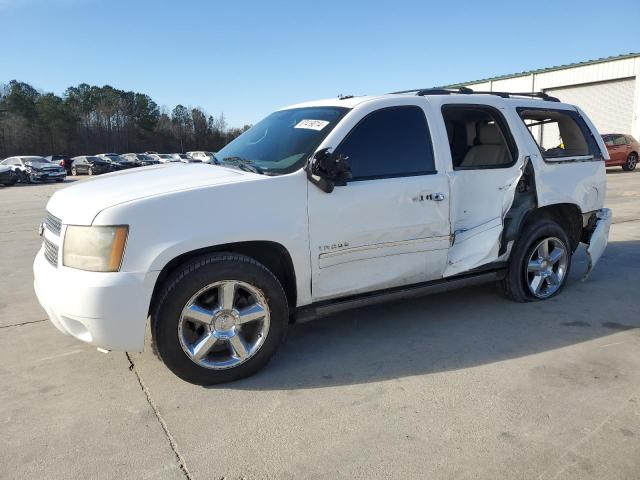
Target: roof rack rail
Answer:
[[468, 91]]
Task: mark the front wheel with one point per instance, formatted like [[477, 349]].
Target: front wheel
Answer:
[[539, 263], [74, 172], [219, 318], [90, 171], [631, 162]]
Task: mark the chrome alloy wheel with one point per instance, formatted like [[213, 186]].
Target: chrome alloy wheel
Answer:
[[546, 267], [632, 161], [224, 324]]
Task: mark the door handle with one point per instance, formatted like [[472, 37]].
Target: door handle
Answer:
[[436, 197]]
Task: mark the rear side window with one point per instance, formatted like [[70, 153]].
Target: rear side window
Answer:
[[620, 140], [560, 134], [391, 142]]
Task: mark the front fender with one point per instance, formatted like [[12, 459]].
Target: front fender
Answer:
[[164, 227]]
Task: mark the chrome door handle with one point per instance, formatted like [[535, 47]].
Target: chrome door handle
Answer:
[[436, 197]]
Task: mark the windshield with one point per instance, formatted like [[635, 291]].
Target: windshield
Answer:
[[35, 160], [166, 157], [283, 141]]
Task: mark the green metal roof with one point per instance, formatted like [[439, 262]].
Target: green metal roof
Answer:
[[549, 69]]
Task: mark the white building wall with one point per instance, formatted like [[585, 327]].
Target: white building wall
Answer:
[[625, 68]]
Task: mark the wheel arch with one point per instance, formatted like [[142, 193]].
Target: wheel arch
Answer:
[[567, 215], [271, 254]]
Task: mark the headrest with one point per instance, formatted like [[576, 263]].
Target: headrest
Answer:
[[488, 134]]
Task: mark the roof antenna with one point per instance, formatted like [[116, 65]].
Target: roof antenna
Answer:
[[344, 97]]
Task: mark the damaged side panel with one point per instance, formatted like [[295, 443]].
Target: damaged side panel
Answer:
[[480, 201], [599, 239]]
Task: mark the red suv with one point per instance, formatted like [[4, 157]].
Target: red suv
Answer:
[[623, 150]]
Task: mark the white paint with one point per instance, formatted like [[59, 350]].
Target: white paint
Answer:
[[364, 236]]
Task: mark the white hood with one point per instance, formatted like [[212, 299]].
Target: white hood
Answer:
[[80, 203]]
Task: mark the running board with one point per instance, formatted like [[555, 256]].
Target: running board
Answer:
[[323, 309]]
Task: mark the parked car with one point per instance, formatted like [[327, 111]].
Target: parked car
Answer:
[[90, 165], [184, 158], [63, 160], [206, 157], [140, 159], [7, 176], [330, 205], [164, 157], [34, 169], [118, 162], [623, 150]]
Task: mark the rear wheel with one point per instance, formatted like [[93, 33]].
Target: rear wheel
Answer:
[[631, 162], [539, 263], [220, 318]]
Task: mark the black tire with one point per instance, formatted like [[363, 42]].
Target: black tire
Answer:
[[74, 172], [90, 171], [514, 285], [191, 278], [12, 181], [631, 162]]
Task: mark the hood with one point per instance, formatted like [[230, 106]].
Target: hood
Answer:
[[80, 203], [43, 166]]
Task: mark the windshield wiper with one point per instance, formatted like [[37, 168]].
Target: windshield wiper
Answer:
[[243, 164]]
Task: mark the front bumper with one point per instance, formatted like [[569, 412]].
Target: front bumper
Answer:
[[36, 176], [108, 310], [599, 238]]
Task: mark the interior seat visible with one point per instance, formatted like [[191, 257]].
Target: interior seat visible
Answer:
[[491, 149]]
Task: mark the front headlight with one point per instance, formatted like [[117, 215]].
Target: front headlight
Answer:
[[95, 248]]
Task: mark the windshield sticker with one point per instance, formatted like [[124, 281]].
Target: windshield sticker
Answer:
[[312, 124]]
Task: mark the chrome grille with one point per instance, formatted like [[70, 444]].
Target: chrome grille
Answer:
[[53, 223], [50, 252]]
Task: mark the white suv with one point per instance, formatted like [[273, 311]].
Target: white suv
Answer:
[[323, 206]]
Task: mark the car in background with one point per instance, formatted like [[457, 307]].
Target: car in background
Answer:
[[208, 157], [184, 158], [34, 169], [7, 176], [90, 165], [140, 159], [623, 150], [163, 157], [64, 161], [117, 161]]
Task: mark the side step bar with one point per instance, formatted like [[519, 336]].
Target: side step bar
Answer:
[[323, 309]]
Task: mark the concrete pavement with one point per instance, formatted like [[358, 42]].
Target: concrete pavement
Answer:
[[458, 385]]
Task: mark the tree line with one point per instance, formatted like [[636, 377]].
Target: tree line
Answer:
[[89, 120]]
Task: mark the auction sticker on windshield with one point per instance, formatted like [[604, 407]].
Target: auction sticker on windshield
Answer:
[[312, 124]]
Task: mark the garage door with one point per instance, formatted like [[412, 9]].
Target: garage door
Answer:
[[609, 105]]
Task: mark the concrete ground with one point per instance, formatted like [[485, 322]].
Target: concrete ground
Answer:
[[458, 385]]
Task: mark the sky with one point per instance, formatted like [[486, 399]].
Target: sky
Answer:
[[247, 58]]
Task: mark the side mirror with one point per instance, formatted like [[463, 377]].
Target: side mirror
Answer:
[[326, 170]]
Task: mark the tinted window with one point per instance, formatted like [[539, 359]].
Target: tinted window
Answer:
[[391, 142]]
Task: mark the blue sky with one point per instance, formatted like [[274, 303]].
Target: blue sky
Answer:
[[247, 58]]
